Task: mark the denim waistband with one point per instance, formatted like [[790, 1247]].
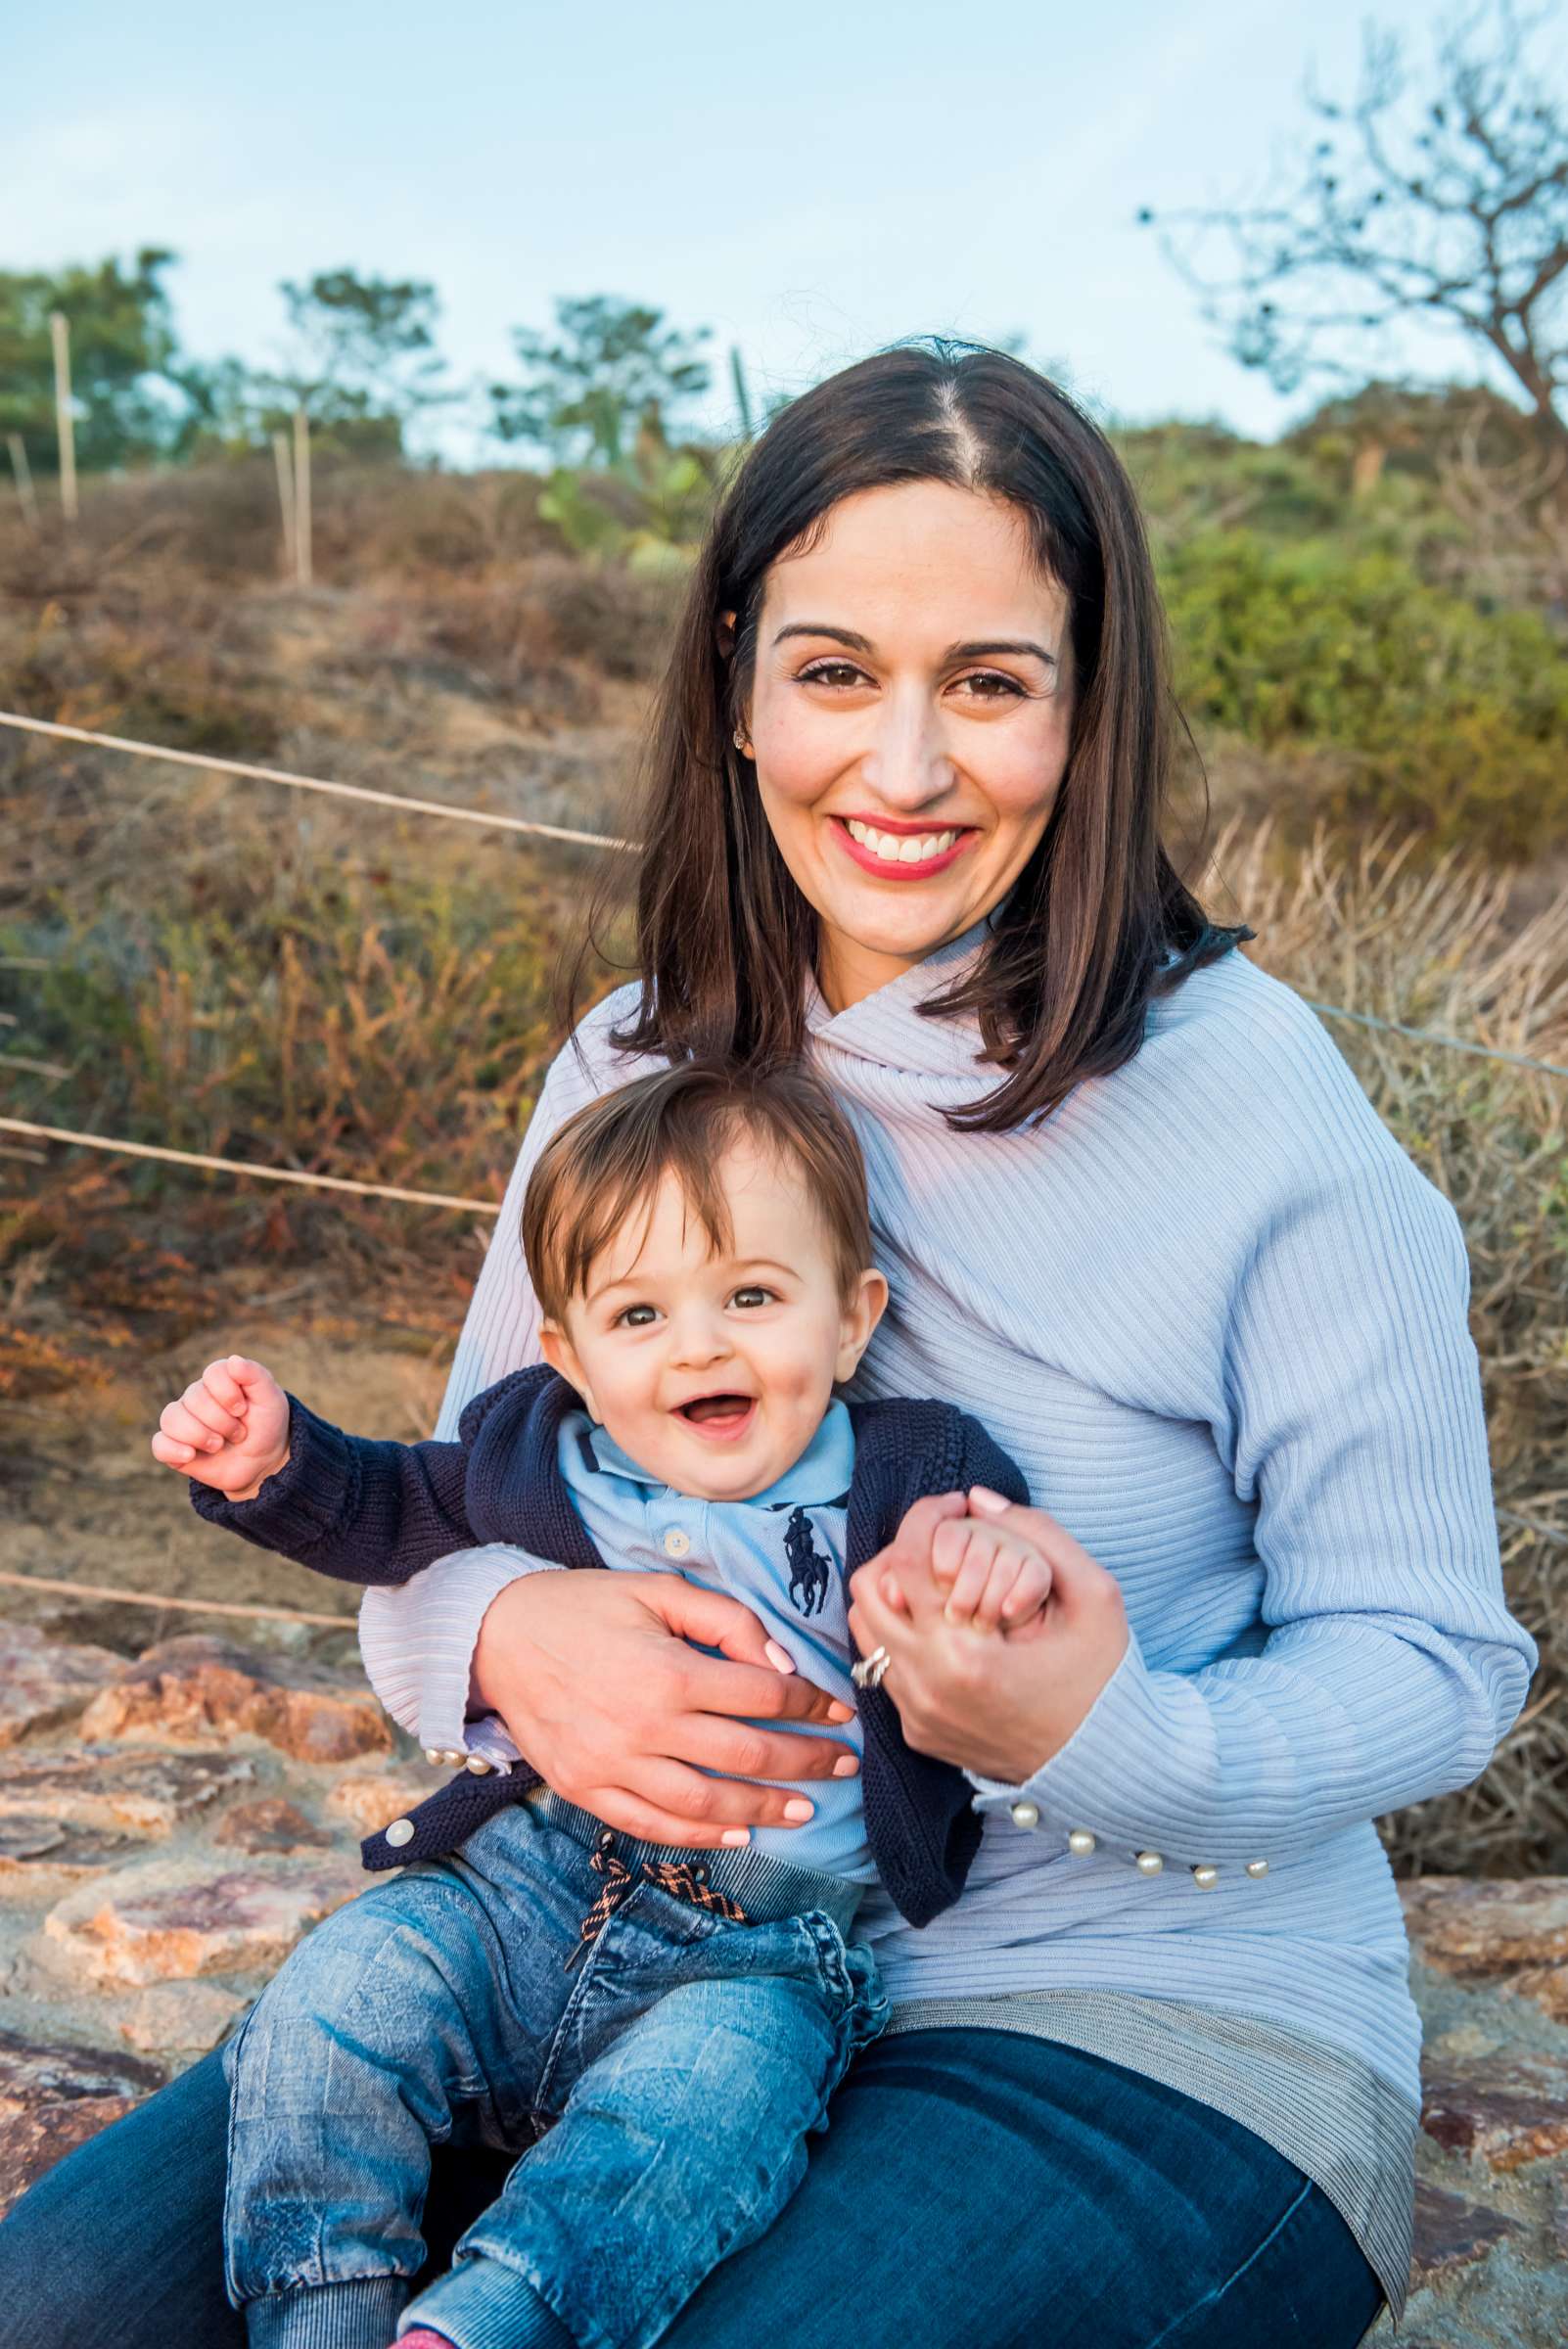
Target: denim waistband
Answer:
[[765, 1887]]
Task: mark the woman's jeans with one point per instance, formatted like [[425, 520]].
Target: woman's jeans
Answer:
[[975, 2187], [681, 2019]]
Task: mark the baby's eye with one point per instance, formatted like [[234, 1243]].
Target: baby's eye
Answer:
[[754, 1296], [637, 1317]]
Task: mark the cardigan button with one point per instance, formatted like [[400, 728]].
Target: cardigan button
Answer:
[[1150, 1863], [1206, 1876], [401, 1831], [479, 1766], [676, 1543], [454, 1754], [1026, 1815], [434, 1753], [1256, 1867], [1081, 1842]]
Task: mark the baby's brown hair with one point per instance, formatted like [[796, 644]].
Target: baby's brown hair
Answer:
[[610, 1158]]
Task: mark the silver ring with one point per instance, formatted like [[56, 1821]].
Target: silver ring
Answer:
[[872, 1670]]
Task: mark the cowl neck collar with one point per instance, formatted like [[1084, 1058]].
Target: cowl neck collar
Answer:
[[887, 1025]]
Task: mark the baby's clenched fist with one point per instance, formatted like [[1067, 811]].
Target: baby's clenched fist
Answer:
[[229, 1429]]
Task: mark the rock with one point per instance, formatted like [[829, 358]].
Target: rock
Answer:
[[180, 2018], [1484, 1926], [270, 1824], [1451, 2231], [1507, 2114], [44, 1682], [368, 1800], [174, 1920], [53, 2098], [40, 1857], [198, 1687], [106, 1790]]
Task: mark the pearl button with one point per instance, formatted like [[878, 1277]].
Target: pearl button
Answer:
[[1081, 1842], [432, 1754], [454, 1754], [1150, 1863], [1206, 1877], [401, 1831], [1026, 1815], [1256, 1867], [479, 1766], [676, 1543]]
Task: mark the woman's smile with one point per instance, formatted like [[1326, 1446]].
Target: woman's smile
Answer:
[[902, 851]]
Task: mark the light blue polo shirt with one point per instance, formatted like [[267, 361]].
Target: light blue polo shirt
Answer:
[[780, 1554]]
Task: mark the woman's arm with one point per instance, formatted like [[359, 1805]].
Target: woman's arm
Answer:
[[1390, 1666]]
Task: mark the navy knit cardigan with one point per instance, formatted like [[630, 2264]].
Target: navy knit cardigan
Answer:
[[365, 1511]]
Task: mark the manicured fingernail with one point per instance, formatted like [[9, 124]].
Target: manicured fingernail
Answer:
[[837, 1712], [779, 1657], [987, 1502], [799, 1808], [736, 1835], [845, 1767]]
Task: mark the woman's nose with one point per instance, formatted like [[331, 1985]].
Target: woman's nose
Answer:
[[907, 763]]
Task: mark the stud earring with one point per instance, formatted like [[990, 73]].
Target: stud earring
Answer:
[[740, 742]]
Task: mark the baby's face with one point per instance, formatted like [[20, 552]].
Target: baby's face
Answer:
[[714, 1370]]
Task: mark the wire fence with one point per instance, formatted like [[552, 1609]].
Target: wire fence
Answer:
[[244, 771]]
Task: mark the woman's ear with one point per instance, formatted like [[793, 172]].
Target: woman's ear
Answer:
[[725, 635], [561, 1356], [861, 1313]]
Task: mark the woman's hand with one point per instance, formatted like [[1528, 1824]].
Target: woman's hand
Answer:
[[596, 1684], [999, 1707]]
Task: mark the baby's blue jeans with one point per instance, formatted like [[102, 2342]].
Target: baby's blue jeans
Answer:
[[681, 2019]]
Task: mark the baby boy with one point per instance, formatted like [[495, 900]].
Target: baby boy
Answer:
[[700, 1246]]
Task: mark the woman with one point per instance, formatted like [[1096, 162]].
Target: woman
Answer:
[[1155, 2078]]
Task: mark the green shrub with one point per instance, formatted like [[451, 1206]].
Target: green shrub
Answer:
[[1444, 716]]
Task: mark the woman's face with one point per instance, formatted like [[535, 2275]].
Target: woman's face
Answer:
[[909, 721]]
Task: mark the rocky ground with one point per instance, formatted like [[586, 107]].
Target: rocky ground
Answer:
[[171, 1822]]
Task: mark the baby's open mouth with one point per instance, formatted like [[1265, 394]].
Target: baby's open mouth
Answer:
[[724, 1413]]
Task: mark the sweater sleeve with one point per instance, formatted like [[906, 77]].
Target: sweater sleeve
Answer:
[[417, 1640], [352, 1507], [1388, 1666]]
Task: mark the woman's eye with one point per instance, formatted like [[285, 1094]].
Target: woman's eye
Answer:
[[637, 1317], [831, 672], [990, 679], [752, 1297]]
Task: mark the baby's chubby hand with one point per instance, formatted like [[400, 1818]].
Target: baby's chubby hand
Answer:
[[229, 1429], [994, 1578]]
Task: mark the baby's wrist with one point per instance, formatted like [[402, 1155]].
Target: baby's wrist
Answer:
[[275, 1468]]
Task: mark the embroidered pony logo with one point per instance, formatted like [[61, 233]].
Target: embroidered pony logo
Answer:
[[808, 1569]]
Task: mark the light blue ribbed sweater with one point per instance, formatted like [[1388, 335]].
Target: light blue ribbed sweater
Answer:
[[1219, 1318]]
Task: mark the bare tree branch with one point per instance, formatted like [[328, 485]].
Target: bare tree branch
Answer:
[[1447, 205]]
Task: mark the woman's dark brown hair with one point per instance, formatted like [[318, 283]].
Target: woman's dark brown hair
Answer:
[[1099, 921]]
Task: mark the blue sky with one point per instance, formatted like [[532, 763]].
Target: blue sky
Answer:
[[810, 181]]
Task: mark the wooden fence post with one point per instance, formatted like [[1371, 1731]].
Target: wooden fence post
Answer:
[[59, 336], [22, 475], [285, 469], [301, 498]]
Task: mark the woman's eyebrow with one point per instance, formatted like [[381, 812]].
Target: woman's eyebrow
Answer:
[[974, 648]]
